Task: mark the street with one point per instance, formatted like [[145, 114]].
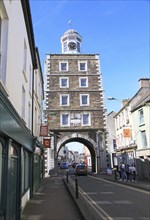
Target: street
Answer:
[[115, 201]]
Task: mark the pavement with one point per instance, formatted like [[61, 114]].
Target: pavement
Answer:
[[52, 201], [141, 184]]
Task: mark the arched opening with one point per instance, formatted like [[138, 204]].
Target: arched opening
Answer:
[[89, 143]]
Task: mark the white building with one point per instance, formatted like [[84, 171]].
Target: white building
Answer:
[[133, 130], [21, 94]]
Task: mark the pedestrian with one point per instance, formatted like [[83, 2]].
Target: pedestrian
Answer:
[[123, 172], [119, 170], [133, 169], [127, 169]]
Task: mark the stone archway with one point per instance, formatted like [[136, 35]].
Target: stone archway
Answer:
[[81, 138]]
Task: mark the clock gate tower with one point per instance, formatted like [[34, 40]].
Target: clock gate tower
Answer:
[[74, 101]]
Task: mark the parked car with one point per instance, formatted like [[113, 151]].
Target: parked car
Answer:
[[64, 165], [81, 169], [74, 164]]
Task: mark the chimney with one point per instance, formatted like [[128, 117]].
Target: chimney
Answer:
[[144, 82], [124, 101]]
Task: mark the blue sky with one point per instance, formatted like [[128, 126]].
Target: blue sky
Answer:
[[119, 31]]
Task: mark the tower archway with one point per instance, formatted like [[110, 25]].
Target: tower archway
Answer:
[[83, 139]]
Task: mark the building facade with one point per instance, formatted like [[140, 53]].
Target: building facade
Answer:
[[74, 108], [133, 129], [21, 94]]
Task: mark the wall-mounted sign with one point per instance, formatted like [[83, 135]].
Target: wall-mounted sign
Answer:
[[44, 130], [126, 132], [47, 142]]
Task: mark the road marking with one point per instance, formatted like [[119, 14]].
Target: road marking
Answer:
[[91, 193], [123, 218], [103, 202], [107, 184], [107, 193], [123, 202]]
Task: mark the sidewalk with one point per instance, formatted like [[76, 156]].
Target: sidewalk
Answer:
[[52, 201], [141, 184]]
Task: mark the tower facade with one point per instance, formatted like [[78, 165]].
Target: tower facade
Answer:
[[74, 96]]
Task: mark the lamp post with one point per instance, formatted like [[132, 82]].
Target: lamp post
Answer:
[[112, 98]]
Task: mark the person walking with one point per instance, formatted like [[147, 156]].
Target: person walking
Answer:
[[133, 169], [123, 173], [127, 169], [119, 170]]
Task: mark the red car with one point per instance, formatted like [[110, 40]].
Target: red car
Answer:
[[81, 169]]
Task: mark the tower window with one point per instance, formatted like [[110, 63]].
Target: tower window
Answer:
[[82, 66], [84, 100], [86, 119], [65, 119], [83, 81], [64, 100], [64, 82], [63, 66], [65, 46], [78, 46]]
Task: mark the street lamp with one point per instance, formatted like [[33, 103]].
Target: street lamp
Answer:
[[112, 98]]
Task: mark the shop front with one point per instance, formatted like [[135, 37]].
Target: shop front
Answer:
[[16, 150]]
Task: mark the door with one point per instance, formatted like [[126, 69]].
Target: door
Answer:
[[13, 201]]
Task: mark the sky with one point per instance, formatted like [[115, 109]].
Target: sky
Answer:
[[119, 31]]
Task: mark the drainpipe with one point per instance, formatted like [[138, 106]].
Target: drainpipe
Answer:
[[32, 155]]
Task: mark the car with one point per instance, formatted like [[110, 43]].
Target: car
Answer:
[[81, 169], [74, 164], [64, 165]]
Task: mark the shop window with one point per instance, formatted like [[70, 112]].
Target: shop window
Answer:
[[0, 176], [25, 171]]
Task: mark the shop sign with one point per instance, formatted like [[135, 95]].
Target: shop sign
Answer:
[[127, 132], [44, 130], [47, 142]]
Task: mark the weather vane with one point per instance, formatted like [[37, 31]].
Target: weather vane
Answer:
[[70, 23]]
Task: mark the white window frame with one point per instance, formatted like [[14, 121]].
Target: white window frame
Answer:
[[89, 119], [25, 57], [79, 67], [81, 101], [143, 139], [23, 103], [60, 66], [61, 99], [65, 46], [60, 82], [3, 42], [61, 120], [141, 116], [80, 83]]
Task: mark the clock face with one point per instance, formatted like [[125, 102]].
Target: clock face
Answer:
[[72, 45]]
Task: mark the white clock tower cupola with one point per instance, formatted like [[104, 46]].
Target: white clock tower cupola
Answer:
[[71, 42]]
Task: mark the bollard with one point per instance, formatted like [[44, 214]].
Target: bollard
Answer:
[[115, 170], [76, 185], [67, 177]]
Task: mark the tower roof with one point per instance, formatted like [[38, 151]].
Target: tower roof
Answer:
[[71, 31]]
